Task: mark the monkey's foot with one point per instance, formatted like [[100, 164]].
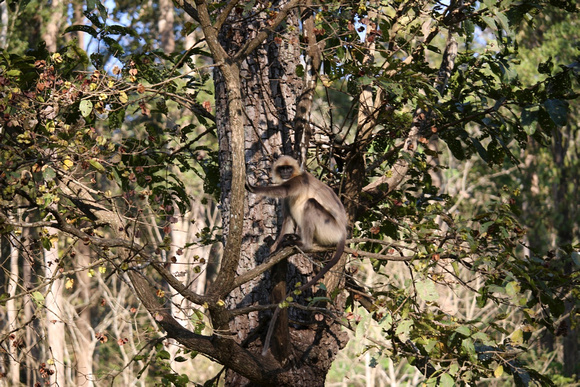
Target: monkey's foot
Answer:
[[290, 240]]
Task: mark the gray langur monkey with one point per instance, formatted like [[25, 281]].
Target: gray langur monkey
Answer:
[[308, 205]]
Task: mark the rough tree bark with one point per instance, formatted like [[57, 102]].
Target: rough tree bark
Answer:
[[270, 91]]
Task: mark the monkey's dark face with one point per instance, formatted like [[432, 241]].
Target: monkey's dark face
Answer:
[[285, 171]]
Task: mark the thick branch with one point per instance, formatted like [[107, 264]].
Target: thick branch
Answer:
[[253, 44], [253, 273], [222, 349], [209, 31], [222, 17], [302, 130], [187, 7]]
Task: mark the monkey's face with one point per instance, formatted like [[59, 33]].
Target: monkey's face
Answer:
[[285, 171]]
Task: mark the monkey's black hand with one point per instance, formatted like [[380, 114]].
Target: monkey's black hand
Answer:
[[249, 187], [290, 240]]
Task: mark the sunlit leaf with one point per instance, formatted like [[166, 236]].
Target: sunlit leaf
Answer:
[[86, 107]]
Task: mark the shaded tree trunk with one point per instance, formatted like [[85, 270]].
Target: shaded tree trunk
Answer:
[[31, 345], [564, 229], [270, 91]]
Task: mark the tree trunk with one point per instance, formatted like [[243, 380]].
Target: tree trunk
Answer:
[[165, 25], [3, 24], [564, 228], [52, 28], [269, 91], [54, 321], [12, 312], [83, 327], [31, 345]]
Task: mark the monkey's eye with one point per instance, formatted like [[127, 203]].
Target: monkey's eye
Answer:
[[285, 171]]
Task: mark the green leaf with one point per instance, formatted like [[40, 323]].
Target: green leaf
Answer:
[[403, 329], [469, 349], [558, 111], [489, 21], [529, 119], [386, 322], [114, 46], [46, 243], [13, 73], [496, 289], [86, 107], [455, 267], [82, 28], [299, 71], [48, 174], [546, 67], [97, 165], [94, 18], [427, 290], [503, 22], [38, 298], [517, 337], [164, 355], [446, 381], [102, 10], [3, 298], [121, 30], [361, 328], [512, 288], [463, 330], [480, 149]]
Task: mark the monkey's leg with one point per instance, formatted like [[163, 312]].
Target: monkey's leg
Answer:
[[288, 227], [314, 214], [320, 225]]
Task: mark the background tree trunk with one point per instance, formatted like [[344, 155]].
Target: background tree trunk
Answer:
[[11, 309], [83, 328], [54, 322], [165, 25], [52, 27]]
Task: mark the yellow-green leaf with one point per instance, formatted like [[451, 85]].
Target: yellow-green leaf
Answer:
[[123, 97], [98, 166], [86, 107], [517, 337]]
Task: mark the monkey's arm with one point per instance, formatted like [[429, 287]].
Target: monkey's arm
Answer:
[[273, 191]]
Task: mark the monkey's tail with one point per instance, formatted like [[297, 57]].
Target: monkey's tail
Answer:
[[270, 331], [329, 265]]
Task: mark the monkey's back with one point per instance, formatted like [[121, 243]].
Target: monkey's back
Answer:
[[316, 199]]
